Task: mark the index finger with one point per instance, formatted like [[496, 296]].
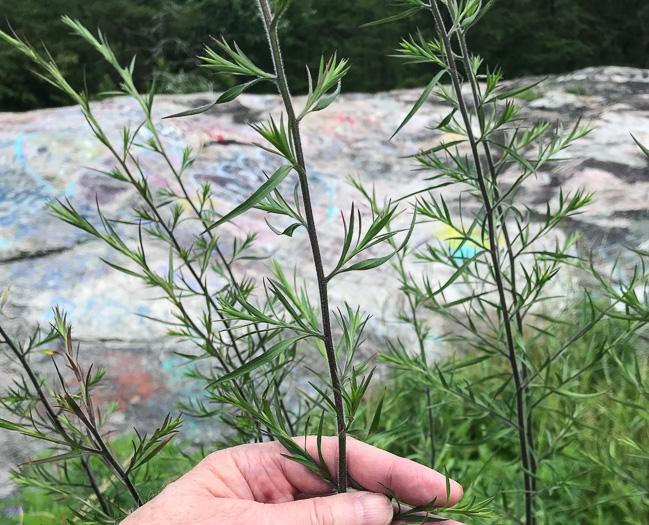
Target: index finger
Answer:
[[375, 469]]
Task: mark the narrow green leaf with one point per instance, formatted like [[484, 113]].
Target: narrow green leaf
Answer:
[[420, 102], [443, 146], [261, 360], [447, 120], [400, 16], [644, 149], [226, 96], [375, 262], [459, 272], [262, 192], [54, 459], [515, 155], [234, 92], [153, 453], [288, 231], [193, 111], [376, 420], [517, 91], [326, 101]]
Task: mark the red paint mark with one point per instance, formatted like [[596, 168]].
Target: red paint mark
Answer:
[[134, 387], [220, 139], [341, 118]]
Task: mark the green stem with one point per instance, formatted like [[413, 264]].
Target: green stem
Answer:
[[508, 249], [145, 194], [422, 352], [224, 261], [495, 261], [54, 418], [294, 124]]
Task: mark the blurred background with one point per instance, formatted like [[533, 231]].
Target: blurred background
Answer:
[[166, 36]]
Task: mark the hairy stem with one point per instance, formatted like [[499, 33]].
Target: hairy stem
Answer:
[[495, 261], [294, 124]]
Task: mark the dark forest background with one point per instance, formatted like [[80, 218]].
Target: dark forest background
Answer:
[[524, 37]]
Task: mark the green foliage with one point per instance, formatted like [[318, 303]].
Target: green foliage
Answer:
[[514, 408], [39, 504], [67, 419], [166, 37], [522, 373], [599, 469]]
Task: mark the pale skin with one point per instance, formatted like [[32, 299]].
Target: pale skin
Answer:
[[255, 485]]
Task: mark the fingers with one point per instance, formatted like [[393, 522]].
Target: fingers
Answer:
[[410, 482], [352, 508]]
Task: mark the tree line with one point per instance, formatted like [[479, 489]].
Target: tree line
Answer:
[[523, 37]]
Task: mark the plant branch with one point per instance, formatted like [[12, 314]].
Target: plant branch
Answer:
[[294, 124], [495, 258], [508, 247], [54, 418]]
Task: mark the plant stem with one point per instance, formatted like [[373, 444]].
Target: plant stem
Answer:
[[143, 191], [224, 261], [111, 460], [204, 222], [508, 249], [294, 124], [495, 260], [54, 418], [422, 351], [87, 468]]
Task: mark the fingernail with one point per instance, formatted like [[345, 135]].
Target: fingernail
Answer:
[[456, 490], [373, 509]]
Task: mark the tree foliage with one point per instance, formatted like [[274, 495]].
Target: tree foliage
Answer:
[[559, 35]]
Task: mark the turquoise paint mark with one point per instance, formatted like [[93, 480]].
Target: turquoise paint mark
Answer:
[[5, 242], [18, 148], [466, 252], [20, 156], [174, 366]]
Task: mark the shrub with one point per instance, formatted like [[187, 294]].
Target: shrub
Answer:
[[515, 397]]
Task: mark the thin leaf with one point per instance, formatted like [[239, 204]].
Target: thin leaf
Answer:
[[400, 16], [375, 262], [288, 231], [644, 149], [517, 91], [420, 102], [259, 361], [54, 459], [376, 420], [262, 192], [326, 101], [226, 96]]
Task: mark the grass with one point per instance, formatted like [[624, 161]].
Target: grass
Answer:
[[577, 89], [34, 506], [598, 476]]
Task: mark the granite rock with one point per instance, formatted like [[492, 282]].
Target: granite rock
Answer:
[[51, 154]]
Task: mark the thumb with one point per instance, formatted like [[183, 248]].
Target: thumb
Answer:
[[351, 508]]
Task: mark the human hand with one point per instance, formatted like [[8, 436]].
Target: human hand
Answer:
[[255, 485]]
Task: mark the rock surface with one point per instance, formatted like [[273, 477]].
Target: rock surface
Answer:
[[51, 154]]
